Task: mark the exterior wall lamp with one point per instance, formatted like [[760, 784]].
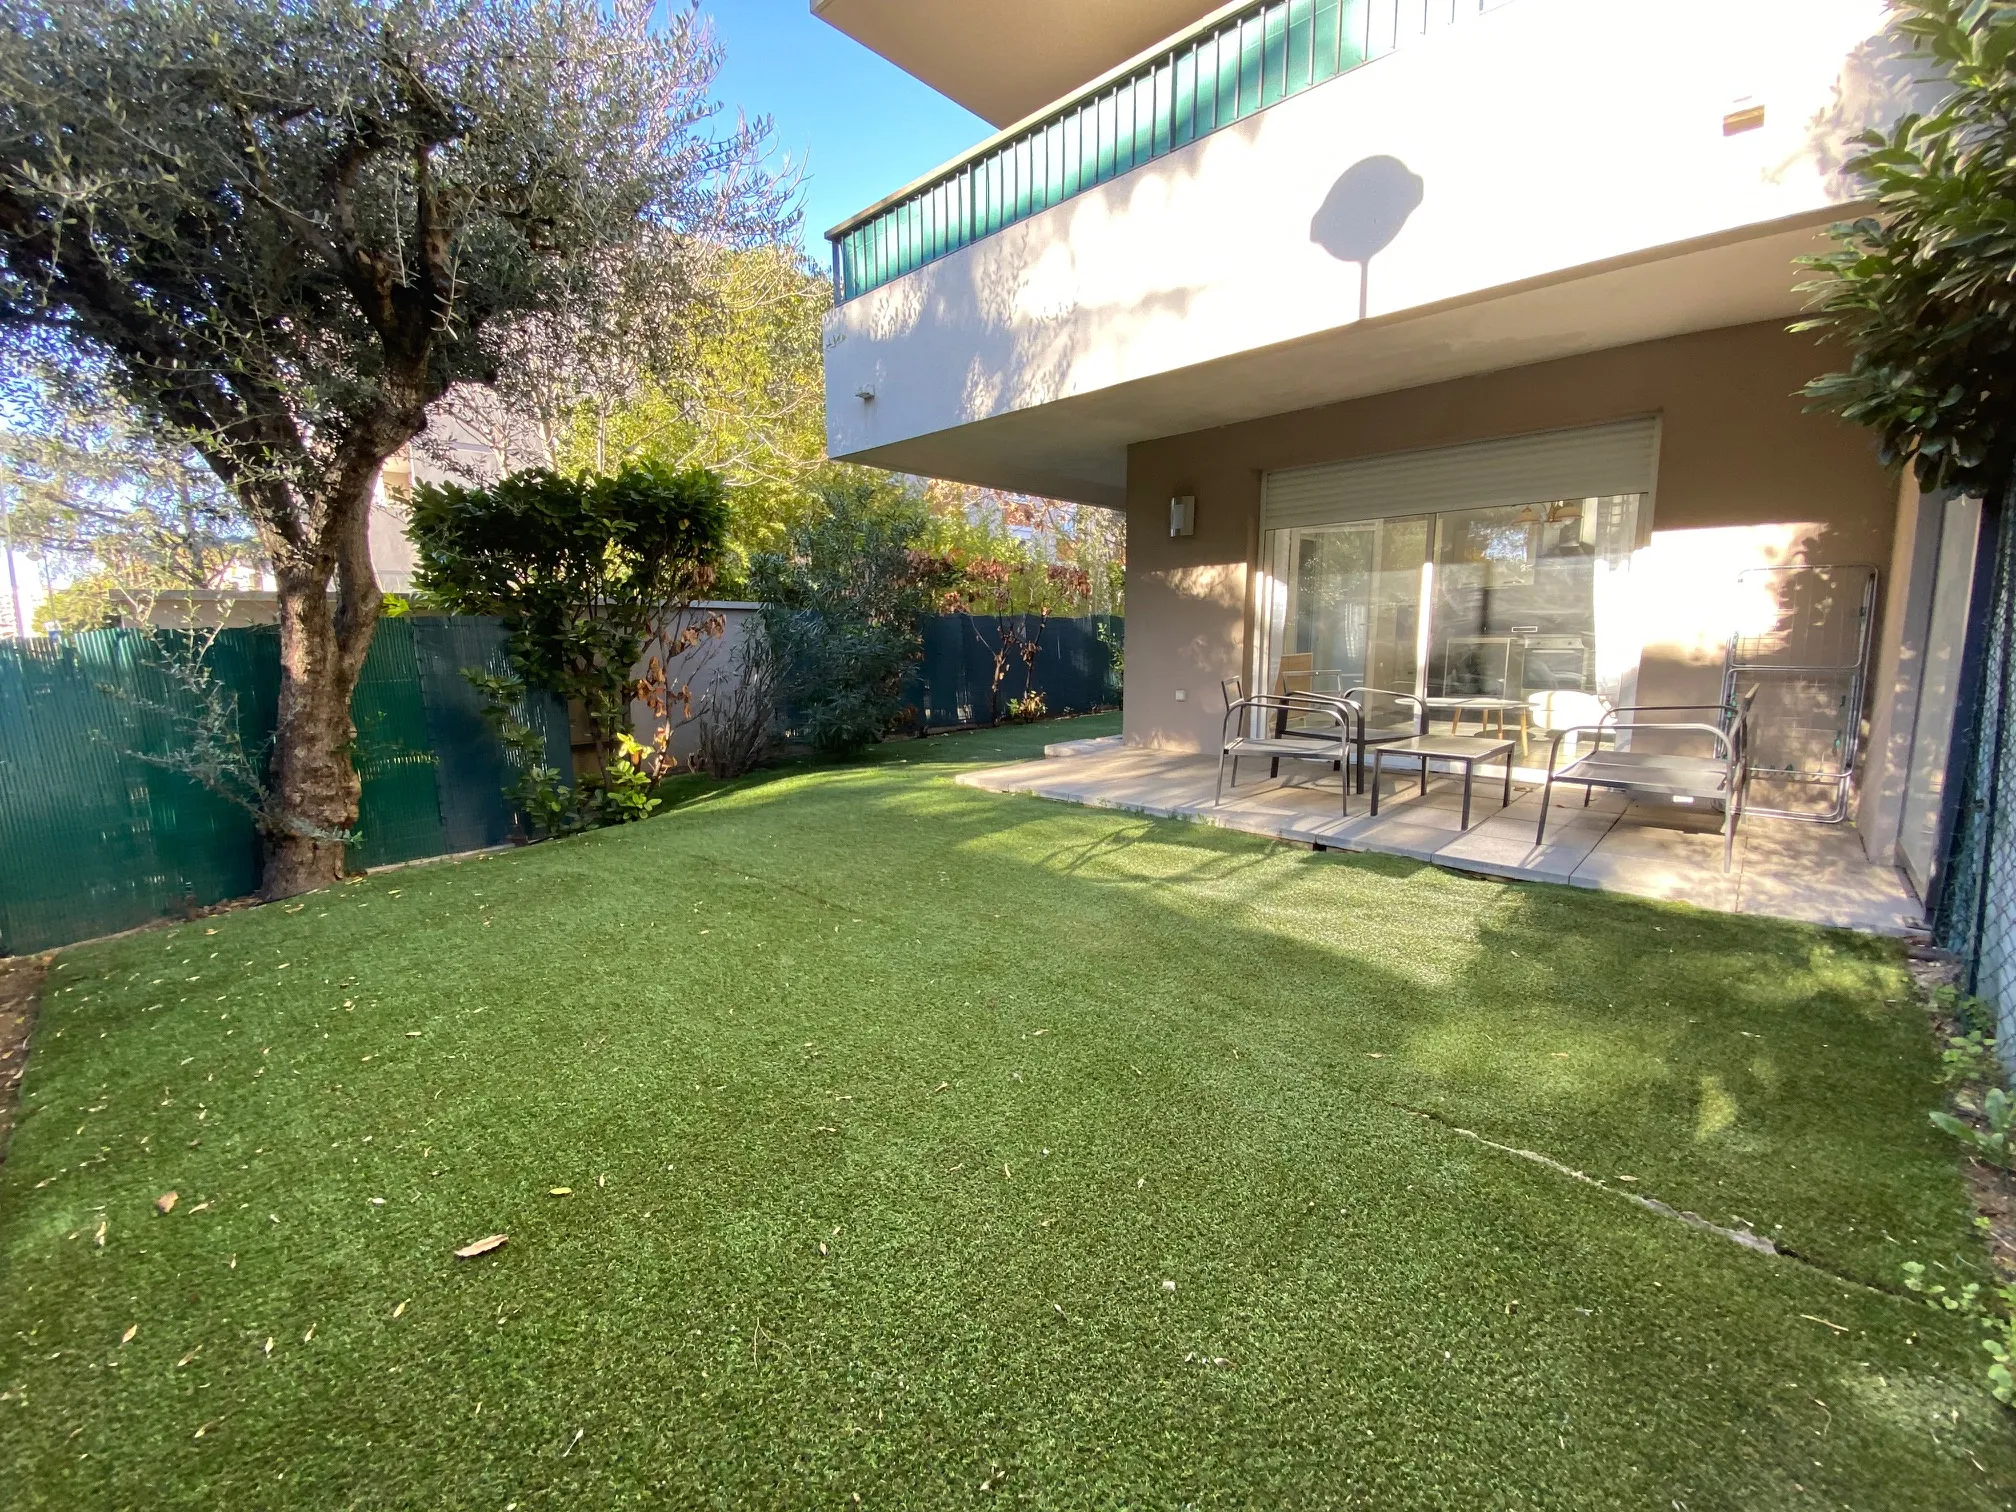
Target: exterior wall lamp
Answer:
[[1183, 515]]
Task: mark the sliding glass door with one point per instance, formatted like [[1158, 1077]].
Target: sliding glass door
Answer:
[[1515, 605], [1352, 604]]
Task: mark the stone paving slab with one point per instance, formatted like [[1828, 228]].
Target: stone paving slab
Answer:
[[1782, 869]]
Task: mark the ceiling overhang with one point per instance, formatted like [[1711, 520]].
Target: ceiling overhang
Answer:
[[1004, 62], [1076, 448]]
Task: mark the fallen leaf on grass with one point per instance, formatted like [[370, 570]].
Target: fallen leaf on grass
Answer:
[[165, 1203], [559, 1191], [479, 1247], [213, 1423], [128, 1336], [400, 1310]]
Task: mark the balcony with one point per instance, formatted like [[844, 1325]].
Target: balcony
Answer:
[[1219, 72], [1299, 202]]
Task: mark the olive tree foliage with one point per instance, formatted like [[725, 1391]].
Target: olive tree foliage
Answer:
[[1922, 290], [281, 232]]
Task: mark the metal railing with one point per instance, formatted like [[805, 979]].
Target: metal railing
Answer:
[[1229, 66]]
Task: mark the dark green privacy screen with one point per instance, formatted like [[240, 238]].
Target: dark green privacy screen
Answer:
[[1076, 666], [94, 837]]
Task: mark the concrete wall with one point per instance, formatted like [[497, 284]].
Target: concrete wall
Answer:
[[1542, 136], [703, 667], [1746, 478]]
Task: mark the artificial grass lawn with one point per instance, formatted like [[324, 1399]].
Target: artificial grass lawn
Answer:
[[1016, 1067]]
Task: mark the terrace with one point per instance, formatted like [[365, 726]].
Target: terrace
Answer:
[[1786, 869]]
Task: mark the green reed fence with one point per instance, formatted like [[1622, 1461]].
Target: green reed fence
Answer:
[[95, 837]]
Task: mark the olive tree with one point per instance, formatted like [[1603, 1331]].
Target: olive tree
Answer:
[[282, 231]]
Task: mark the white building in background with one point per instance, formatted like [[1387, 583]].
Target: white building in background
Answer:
[[1439, 345]]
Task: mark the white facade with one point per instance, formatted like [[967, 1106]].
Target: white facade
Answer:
[[1544, 178]]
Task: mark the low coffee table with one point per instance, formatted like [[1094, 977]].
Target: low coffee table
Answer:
[[1488, 710], [1468, 749]]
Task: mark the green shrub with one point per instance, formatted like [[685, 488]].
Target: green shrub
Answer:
[[587, 573], [840, 610]]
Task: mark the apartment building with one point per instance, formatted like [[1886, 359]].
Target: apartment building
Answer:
[[1440, 345]]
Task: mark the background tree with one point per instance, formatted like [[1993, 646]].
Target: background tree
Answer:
[[738, 387], [1922, 291], [124, 514], [283, 231], [591, 576], [840, 608]]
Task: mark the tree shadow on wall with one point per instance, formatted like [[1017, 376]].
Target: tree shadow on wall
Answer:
[[1363, 214]]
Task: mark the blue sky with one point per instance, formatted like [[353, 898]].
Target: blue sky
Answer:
[[861, 126]]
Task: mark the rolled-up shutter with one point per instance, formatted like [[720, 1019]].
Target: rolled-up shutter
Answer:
[[1591, 462]]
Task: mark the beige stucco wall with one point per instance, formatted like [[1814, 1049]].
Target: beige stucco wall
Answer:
[[1747, 478]]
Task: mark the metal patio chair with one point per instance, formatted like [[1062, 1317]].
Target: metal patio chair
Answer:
[[1721, 777], [1333, 747], [1368, 709]]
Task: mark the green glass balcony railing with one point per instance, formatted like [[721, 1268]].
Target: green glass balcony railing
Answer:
[[1221, 71]]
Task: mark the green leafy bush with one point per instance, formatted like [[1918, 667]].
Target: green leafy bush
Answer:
[[840, 608], [587, 574], [1998, 1112]]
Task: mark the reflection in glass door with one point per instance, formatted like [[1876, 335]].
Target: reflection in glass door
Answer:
[[1352, 610], [1522, 604]]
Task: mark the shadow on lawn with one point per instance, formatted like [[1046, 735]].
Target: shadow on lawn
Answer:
[[1750, 1069], [1757, 1071]]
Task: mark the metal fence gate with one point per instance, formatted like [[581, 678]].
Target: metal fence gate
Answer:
[[1075, 665]]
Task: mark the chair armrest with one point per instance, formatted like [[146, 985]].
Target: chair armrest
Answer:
[[1722, 738], [1286, 703]]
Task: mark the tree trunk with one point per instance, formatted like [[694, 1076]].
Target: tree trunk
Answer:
[[313, 788]]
